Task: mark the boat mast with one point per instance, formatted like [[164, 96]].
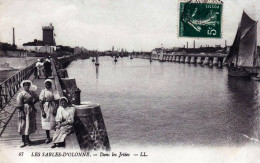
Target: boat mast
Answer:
[[255, 54], [237, 56]]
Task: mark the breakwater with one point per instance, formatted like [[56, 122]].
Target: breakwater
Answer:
[[217, 59], [201, 58]]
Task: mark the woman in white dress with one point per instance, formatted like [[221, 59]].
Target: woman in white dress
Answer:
[[64, 123], [27, 112], [49, 103], [39, 68]]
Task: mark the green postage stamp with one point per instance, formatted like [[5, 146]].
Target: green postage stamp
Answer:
[[200, 18]]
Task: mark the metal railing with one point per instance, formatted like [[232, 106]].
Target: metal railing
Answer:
[[8, 88]]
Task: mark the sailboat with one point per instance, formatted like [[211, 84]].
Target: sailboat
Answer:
[[242, 59]]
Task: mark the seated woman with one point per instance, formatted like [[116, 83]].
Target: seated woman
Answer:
[[64, 120]]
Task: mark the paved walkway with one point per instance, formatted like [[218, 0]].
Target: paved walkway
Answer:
[[11, 138]]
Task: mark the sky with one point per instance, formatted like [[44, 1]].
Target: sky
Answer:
[[101, 24]]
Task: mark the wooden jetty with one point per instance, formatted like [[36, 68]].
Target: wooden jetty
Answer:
[[88, 118], [11, 138]]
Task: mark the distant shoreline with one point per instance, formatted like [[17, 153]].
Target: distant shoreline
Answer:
[[10, 70]]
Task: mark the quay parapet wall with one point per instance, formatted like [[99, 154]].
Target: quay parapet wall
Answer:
[[89, 124]]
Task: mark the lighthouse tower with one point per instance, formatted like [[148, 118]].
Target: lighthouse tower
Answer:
[[48, 35]]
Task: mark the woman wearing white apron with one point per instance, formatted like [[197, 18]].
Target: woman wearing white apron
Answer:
[[39, 67], [49, 104], [64, 120], [27, 112]]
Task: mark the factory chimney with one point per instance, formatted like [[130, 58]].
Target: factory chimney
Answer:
[[13, 38]]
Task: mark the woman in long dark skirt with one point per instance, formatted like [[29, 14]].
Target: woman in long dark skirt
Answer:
[[47, 68]]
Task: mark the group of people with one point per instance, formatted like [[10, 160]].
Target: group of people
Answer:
[[43, 67], [55, 113]]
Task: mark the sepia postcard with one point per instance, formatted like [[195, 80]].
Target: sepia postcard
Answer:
[[130, 81]]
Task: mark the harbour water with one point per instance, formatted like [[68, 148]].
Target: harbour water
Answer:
[[169, 103], [6, 74]]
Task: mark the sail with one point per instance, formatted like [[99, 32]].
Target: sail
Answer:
[[247, 47], [243, 51], [231, 58]]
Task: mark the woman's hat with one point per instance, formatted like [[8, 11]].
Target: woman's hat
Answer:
[[64, 98], [32, 87], [48, 80]]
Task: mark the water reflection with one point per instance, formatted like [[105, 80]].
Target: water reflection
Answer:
[[243, 110], [97, 68]]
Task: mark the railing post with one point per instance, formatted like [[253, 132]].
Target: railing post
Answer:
[[5, 95], [1, 99]]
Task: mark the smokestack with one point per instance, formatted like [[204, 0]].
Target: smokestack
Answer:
[[13, 37], [194, 44], [187, 45], [225, 43]]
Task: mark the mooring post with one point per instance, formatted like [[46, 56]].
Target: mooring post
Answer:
[[90, 127], [77, 96]]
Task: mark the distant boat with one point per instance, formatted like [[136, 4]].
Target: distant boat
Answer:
[[242, 59], [97, 62]]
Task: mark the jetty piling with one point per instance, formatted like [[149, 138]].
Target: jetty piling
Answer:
[[215, 61], [199, 60], [206, 61], [177, 58], [187, 59], [182, 59], [192, 60]]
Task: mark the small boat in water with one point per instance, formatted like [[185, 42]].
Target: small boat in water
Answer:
[[242, 59]]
